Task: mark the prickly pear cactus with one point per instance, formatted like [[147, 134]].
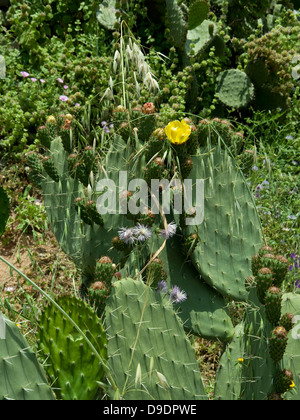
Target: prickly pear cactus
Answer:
[[262, 362], [231, 230], [204, 311], [149, 353], [234, 88], [4, 210], [83, 242], [176, 22], [22, 377], [229, 373], [291, 359], [200, 37], [198, 12], [72, 366]]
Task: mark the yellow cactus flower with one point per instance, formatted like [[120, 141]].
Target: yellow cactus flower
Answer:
[[178, 132]]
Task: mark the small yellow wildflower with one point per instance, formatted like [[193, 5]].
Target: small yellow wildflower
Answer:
[[178, 132], [292, 385], [241, 360]]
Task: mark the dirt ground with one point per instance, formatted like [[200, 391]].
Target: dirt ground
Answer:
[[42, 262]]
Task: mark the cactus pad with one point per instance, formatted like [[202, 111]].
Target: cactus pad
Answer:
[[231, 231], [234, 88], [204, 311], [146, 336], [201, 37], [22, 377], [198, 12], [176, 22], [72, 366]]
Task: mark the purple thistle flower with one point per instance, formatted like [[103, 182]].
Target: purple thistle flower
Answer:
[[142, 233], [171, 230], [177, 295], [127, 235]]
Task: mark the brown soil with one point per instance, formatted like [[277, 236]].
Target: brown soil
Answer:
[[41, 260], [44, 263]]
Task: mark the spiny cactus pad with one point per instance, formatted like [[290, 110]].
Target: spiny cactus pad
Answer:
[[229, 373], [71, 364], [231, 231], [255, 374], [291, 360], [200, 37], [204, 311], [234, 88], [82, 242], [145, 336], [22, 377], [176, 22], [198, 12]]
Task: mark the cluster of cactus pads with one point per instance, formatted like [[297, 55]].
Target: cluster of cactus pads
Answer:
[[264, 343], [123, 339]]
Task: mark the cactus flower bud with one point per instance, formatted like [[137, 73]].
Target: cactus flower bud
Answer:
[[51, 119], [148, 108]]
